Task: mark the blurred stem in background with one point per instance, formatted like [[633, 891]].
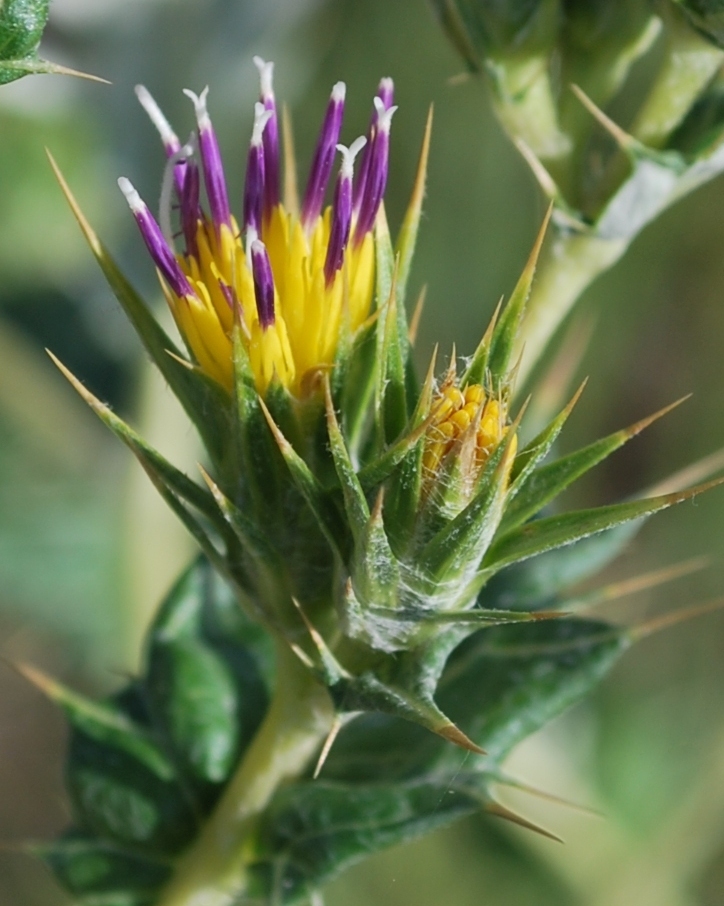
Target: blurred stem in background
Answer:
[[537, 56]]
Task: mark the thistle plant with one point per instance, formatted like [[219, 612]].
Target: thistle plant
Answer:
[[380, 611]]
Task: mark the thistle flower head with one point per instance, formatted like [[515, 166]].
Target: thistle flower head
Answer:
[[290, 281]]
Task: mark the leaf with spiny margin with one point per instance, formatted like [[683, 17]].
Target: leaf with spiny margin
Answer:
[[507, 327], [533, 584], [537, 488], [404, 489], [538, 448], [392, 396], [353, 384], [104, 722], [543, 535], [258, 463], [366, 692], [375, 571], [500, 685], [355, 502], [151, 460], [205, 402], [476, 372], [309, 487], [314, 829], [407, 237], [86, 865]]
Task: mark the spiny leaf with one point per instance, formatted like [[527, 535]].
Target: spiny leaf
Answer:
[[506, 330], [313, 829], [358, 512], [102, 722], [375, 571], [408, 232], [308, 485], [151, 460], [547, 482], [557, 531], [538, 448], [205, 402], [476, 372]]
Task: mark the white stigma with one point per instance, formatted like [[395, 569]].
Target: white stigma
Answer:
[[261, 118], [135, 203], [387, 84], [199, 102], [348, 156], [339, 90], [266, 76], [168, 136], [384, 116], [166, 201]]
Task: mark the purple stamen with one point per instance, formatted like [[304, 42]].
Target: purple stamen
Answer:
[[211, 162], [255, 173], [374, 189], [341, 210], [385, 92], [190, 207], [270, 137], [155, 242], [263, 283], [323, 157]]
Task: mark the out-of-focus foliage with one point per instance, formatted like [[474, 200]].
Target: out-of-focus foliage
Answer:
[[706, 15]]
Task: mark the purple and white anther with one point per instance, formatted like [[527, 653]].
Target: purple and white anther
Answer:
[[263, 283], [341, 210], [323, 159], [385, 92], [159, 249], [374, 189], [211, 162], [271, 135]]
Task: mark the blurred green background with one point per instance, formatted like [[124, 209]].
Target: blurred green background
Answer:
[[86, 549]]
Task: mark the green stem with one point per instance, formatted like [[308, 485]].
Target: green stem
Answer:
[[570, 265], [213, 872], [690, 63]]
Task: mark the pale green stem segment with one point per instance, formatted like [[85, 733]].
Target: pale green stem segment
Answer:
[[570, 264], [213, 872], [689, 64], [525, 105]]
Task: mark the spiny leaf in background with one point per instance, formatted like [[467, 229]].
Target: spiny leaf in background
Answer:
[[22, 23]]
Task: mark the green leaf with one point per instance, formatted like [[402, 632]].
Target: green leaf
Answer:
[[534, 583], [87, 865], [206, 403], [707, 16], [314, 829], [557, 531], [407, 237], [506, 329], [21, 27], [176, 482], [105, 723], [537, 488], [500, 685], [193, 689]]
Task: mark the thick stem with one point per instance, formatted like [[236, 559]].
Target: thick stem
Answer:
[[690, 63], [213, 872], [571, 264]]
